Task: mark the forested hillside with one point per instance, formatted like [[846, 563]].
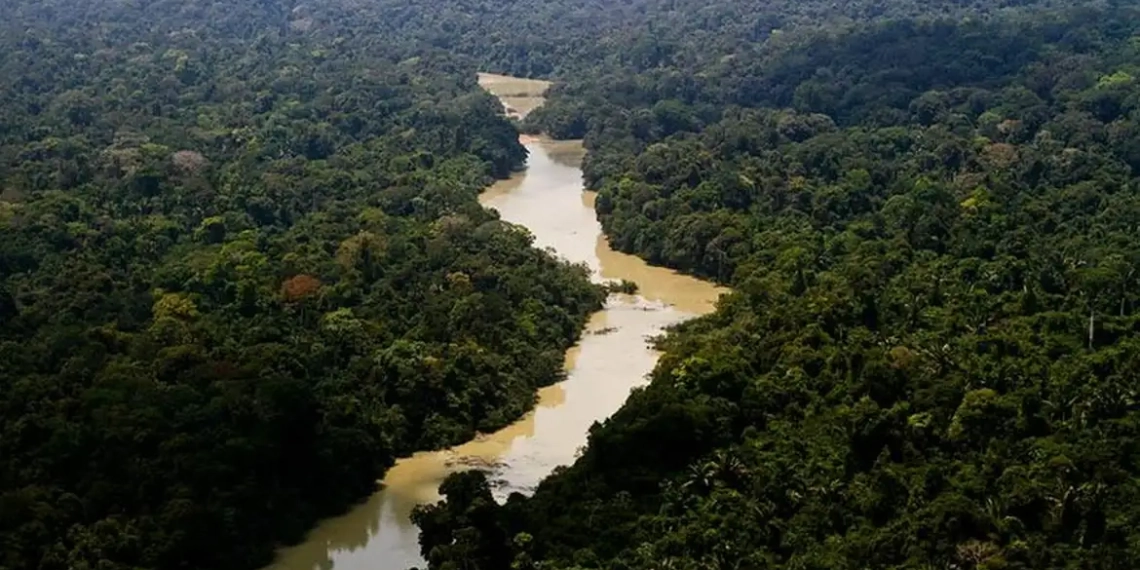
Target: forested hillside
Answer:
[[569, 39], [242, 268], [931, 357]]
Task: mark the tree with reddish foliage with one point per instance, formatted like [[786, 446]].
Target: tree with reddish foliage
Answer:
[[299, 287]]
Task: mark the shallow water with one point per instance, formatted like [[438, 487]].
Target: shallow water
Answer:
[[612, 358], [519, 96]]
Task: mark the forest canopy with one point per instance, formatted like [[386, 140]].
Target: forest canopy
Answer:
[[928, 215], [242, 268]]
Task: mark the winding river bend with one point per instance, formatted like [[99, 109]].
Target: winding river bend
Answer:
[[612, 358]]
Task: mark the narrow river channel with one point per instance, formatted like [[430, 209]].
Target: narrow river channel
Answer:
[[612, 358]]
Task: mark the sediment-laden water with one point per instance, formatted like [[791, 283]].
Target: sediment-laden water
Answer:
[[612, 358]]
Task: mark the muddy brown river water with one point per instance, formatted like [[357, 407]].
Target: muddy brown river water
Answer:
[[612, 358]]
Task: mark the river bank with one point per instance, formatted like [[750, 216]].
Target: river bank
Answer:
[[549, 200]]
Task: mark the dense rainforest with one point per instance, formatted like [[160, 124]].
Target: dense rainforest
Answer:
[[929, 215], [242, 268]]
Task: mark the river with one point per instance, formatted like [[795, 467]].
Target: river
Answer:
[[612, 358]]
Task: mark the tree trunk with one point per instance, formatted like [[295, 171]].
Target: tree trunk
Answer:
[[1091, 328]]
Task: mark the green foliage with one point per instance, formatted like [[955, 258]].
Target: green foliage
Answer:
[[929, 359], [242, 268]]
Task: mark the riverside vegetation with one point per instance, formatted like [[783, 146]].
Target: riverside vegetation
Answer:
[[242, 268], [930, 361]]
